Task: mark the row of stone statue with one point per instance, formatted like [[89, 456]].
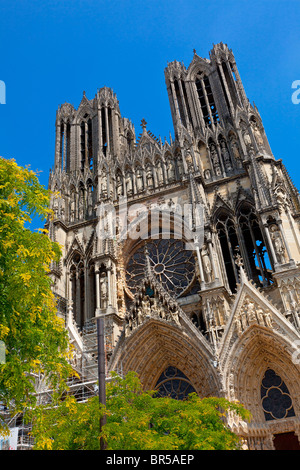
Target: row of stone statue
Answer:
[[147, 308], [250, 314]]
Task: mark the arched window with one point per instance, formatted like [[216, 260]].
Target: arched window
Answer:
[[90, 144], [256, 258], [68, 146], [62, 144], [81, 201], [77, 278], [174, 384], [230, 247], [244, 238], [82, 144], [179, 101], [91, 291], [275, 397], [206, 98]]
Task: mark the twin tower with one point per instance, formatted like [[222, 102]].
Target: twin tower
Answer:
[[218, 313]]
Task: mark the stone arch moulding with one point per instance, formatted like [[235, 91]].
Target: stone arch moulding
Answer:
[[155, 346], [257, 350]]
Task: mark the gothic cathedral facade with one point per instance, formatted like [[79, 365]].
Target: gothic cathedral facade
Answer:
[[188, 248]]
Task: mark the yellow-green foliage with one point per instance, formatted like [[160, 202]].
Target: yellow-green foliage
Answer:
[[34, 337], [136, 420]]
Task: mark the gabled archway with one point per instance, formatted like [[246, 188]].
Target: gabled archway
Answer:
[[157, 345]]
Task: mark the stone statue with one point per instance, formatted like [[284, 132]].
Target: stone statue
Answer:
[[278, 245], [119, 185], [215, 160], [251, 313], [160, 176], [226, 156], [55, 207], [257, 134], [72, 211], [189, 159], [128, 182], [90, 200], [140, 316], [104, 185], [170, 171], [180, 166], [146, 308], [81, 205], [139, 180], [207, 174], [174, 315], [206, 263], [247, 139], [236, 152], [103, 290], [238, 326], [149, 176]]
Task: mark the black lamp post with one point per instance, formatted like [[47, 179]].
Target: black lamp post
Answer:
[[101, 373]]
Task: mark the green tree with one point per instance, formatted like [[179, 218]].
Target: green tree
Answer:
[[35, 339], [136, 420]]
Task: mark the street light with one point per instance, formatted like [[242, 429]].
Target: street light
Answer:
[[101, 373]]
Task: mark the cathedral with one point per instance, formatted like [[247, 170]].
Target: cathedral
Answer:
[[189, 248]]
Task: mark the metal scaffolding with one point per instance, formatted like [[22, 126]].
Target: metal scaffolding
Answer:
[[82, 388]]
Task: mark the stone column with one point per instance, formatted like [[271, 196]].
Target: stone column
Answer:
[[58, 147], [175, 102], [199, 262], [212, 258], [270, 243], [99, 133]]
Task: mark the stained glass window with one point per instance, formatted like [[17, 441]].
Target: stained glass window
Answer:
[[276, 400], [173, 265], [174, 384]]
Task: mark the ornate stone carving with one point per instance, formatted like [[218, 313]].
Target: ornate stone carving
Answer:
[[278, 243]]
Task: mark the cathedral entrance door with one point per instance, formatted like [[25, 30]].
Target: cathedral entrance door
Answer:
[[286, 441]]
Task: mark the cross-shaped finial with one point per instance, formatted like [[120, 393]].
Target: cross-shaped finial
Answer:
[[143, 123], [194, 51]]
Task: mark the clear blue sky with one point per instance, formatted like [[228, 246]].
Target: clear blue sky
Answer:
[[53, 50]]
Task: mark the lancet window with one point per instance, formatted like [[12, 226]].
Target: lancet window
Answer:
[[77, 279], [206, 98], [86, 143], [230, 247], [257, 259], [243, 236], [65, 134], [83, 289]]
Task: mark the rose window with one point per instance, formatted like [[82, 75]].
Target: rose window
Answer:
[[174, 384], [172, 264]]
